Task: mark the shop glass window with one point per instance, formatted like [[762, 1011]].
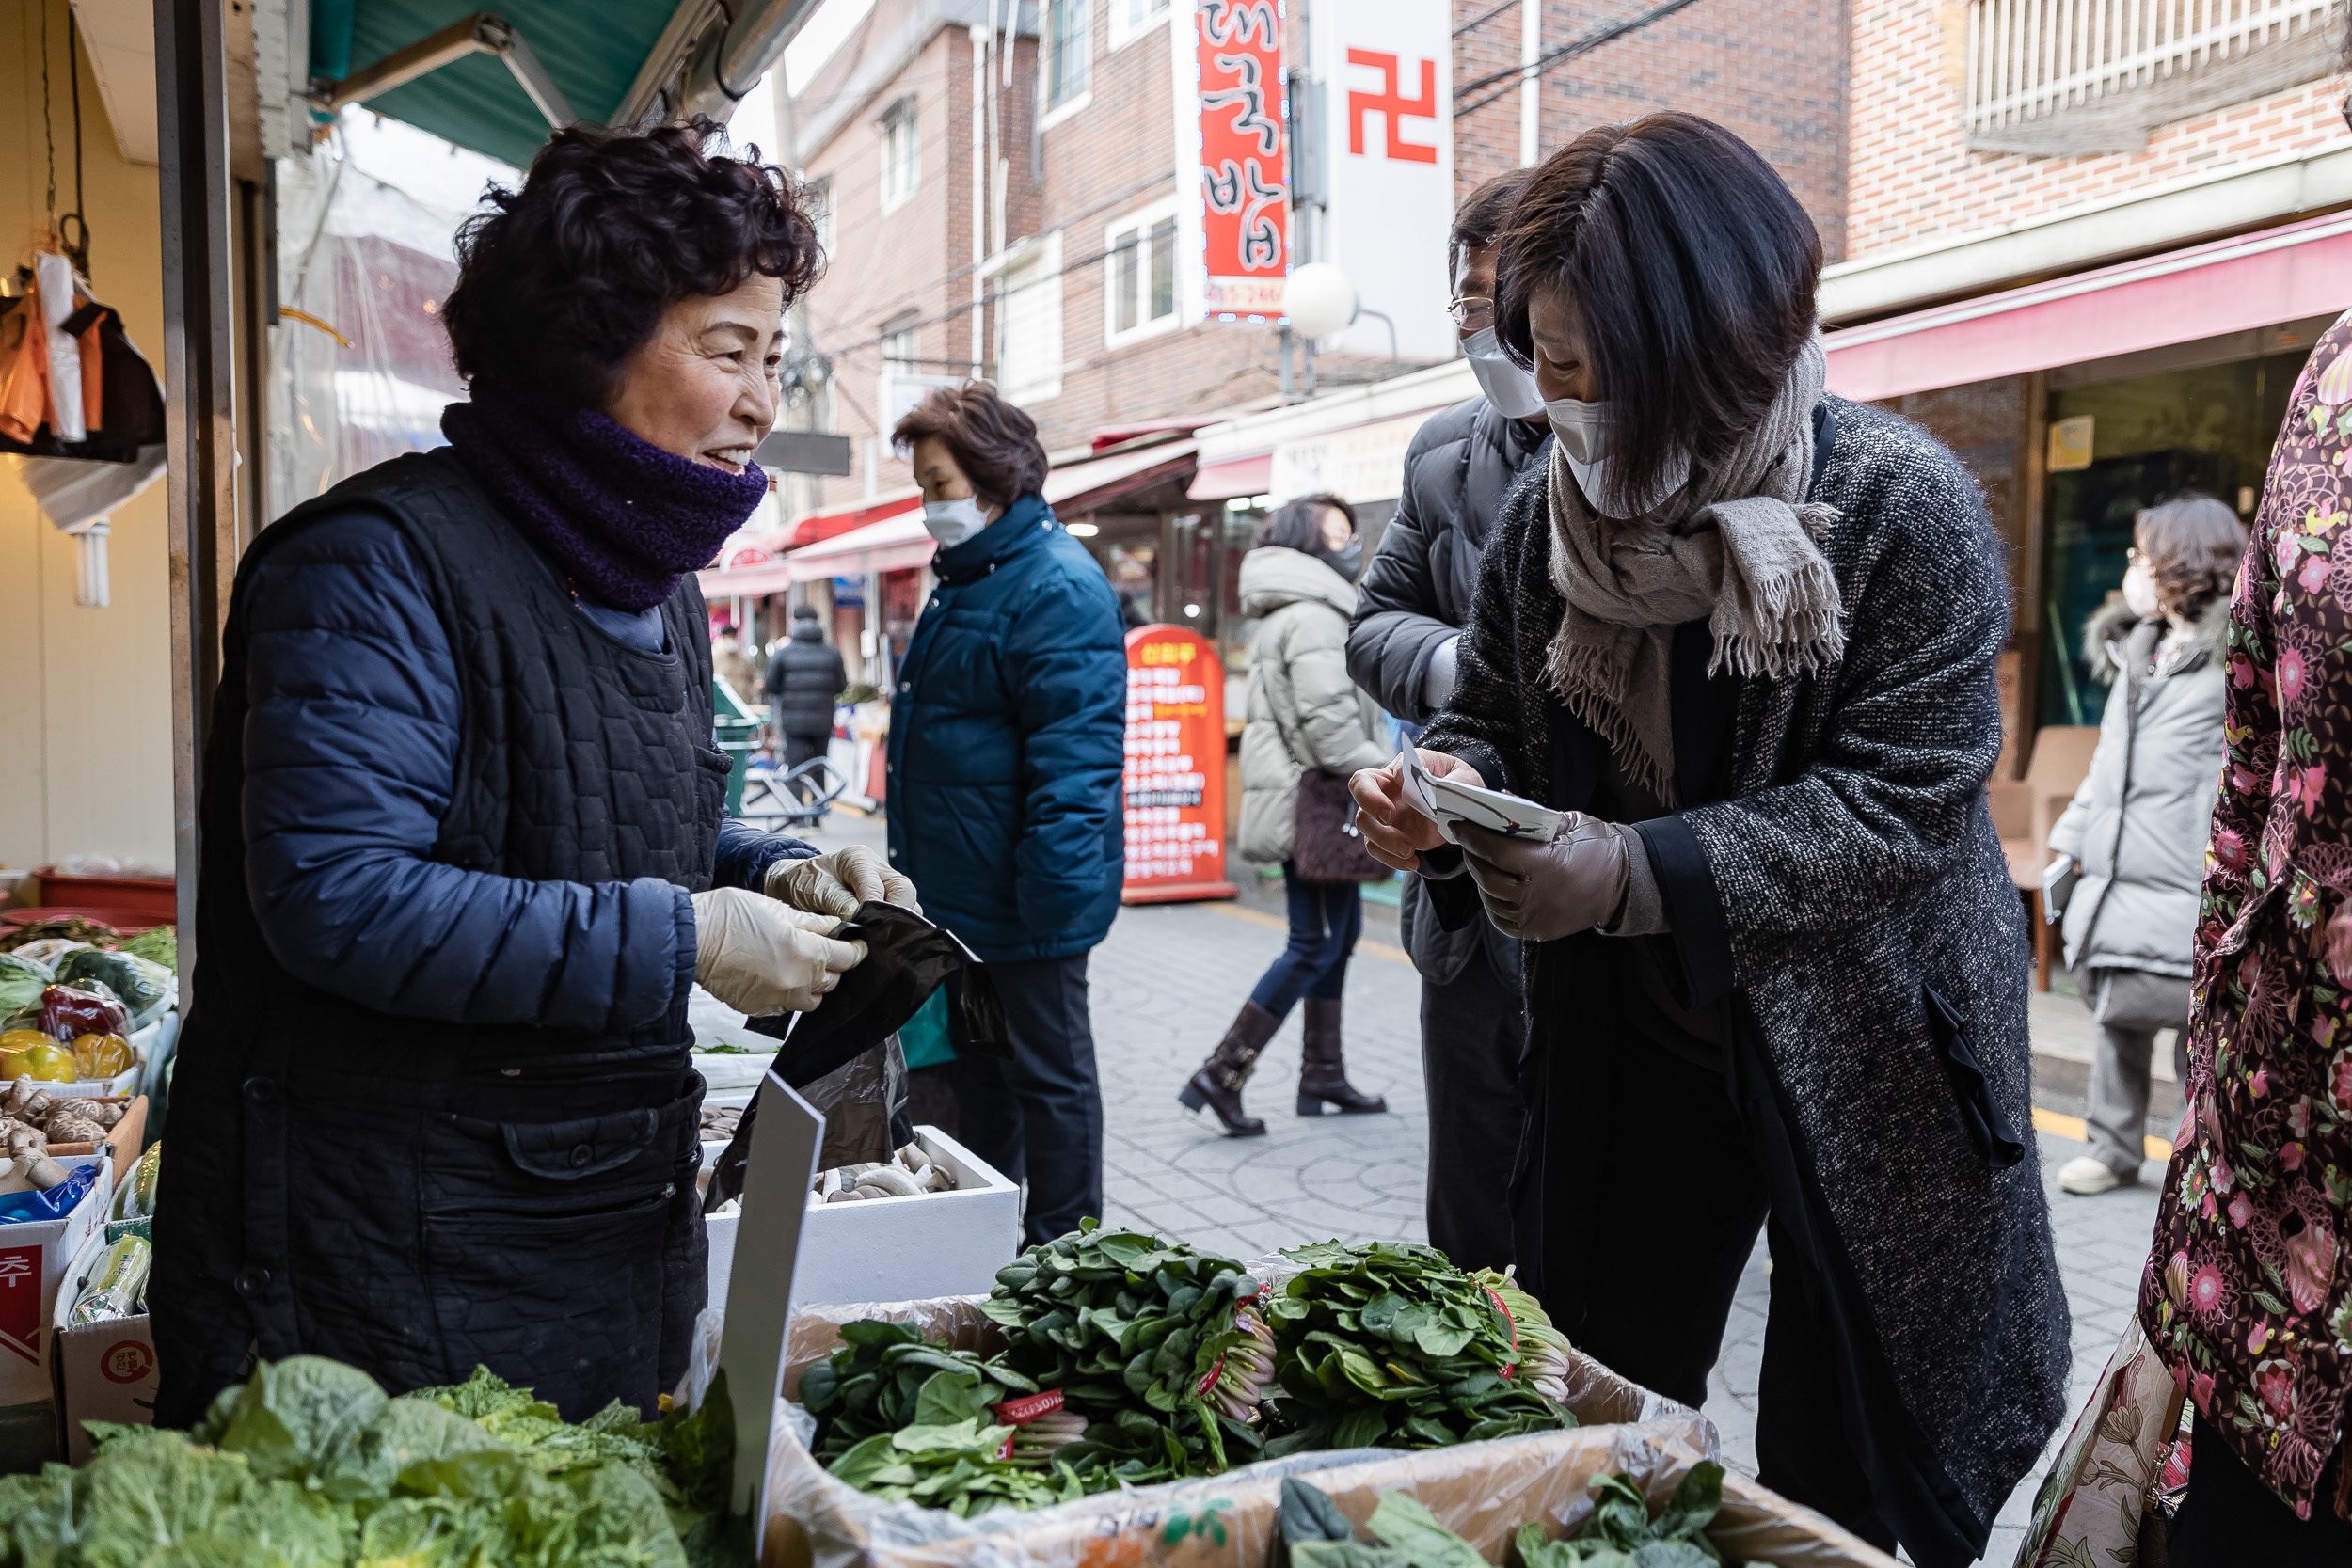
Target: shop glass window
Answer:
[[1067, 45], [901, 153], [2147, 439]]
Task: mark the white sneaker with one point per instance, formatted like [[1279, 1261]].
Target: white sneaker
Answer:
[[2087, 1177]]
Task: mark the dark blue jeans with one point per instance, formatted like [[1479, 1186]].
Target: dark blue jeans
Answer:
[[1325, 920]]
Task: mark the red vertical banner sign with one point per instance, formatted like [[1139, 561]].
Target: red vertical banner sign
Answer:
[[1175, 774], [1245, 156]]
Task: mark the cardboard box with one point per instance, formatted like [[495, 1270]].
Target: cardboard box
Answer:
[[1481, 1491], [105, 1371], [34, 1255], [899, 1249], [124, 1139]]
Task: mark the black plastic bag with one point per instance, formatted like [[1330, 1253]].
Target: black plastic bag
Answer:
[[907, 957]]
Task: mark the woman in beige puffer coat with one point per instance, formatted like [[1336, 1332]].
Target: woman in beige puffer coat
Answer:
[[1304, 713]]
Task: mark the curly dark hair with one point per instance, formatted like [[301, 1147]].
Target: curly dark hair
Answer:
[[569, 276], [995, 444], [1693, 269]]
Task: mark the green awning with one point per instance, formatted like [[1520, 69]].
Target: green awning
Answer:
[[592, 49]]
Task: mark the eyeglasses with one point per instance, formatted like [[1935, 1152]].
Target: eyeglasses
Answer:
[[1471, 312]]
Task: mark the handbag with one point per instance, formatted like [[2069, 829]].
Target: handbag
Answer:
[[1326, 846], [2103, 1504]]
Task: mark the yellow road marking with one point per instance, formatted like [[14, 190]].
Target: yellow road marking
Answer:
[[1275, 923], [2076, 1129]]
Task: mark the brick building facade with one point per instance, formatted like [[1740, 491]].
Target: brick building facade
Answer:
[[2091, 258], [1775, 71]]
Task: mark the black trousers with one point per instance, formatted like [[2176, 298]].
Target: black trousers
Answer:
[[1039, 1117], [2228, 1517], [1659, 1245], [1473, 1030], [799, 749]]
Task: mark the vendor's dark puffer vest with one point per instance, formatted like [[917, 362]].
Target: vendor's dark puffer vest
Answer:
[[414, 1196]]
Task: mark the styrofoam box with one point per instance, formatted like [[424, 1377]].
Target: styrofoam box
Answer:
[[899, 1248]]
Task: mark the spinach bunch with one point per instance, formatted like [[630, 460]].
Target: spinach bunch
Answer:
[[1392, 1346], [1148, 1339], [1621, 1533], [881, 1379]]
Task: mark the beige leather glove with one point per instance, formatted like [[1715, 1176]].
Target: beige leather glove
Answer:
[[838, 882], [762, 958], [1543, 891]]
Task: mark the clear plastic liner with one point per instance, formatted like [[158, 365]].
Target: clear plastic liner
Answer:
[[1484, 1491]]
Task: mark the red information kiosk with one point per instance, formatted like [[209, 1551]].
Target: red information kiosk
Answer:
[[1175, 772]]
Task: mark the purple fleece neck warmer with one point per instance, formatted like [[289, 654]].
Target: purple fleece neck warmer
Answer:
[[623, 518]]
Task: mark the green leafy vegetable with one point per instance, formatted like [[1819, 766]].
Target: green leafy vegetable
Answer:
[[142, 985], [1621, 1533], [159, 945], [1155, 1343], [1392, 1346], [21, 981], [308, 1465]]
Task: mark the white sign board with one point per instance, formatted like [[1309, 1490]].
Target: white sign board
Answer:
[[1387, 70], [776, 1182], [1363, 463]]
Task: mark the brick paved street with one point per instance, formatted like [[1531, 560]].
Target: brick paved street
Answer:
[[1169, 978]]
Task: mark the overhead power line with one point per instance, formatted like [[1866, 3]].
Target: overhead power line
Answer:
[[1477, 22], [1550, 58]]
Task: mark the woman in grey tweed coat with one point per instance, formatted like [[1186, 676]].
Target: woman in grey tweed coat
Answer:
[[1746, 632]]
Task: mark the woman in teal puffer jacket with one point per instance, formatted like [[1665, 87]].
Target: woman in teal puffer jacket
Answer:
[[1008, 732]]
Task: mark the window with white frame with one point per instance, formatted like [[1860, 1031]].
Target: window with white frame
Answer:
[[820, 194], [899, 350], [1131, 19], [1028, 324], [1068, 43], [901, 153], [1140, 273]]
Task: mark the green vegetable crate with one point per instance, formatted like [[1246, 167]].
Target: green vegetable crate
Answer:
[[1483, 1492]]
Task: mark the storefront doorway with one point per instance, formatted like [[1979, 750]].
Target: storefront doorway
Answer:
[[2120, 444]]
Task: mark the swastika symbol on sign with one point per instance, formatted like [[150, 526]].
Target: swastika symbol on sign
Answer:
[[1394, 107]]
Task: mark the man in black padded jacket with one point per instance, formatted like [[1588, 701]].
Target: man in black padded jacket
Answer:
[[1410, 611]]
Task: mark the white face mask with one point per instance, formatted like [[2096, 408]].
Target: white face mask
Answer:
[[952, 522], [1585, 430], [2140, 592], [1509, 387]]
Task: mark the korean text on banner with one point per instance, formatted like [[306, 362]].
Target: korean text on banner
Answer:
[[1175, 774], [1244, 157]]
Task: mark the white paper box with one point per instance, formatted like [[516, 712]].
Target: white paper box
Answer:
[[899, 1249], [106, 1371], [33, 1258]]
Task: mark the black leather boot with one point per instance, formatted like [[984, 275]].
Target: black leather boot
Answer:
[[1323, 1081], [1217, 1085]]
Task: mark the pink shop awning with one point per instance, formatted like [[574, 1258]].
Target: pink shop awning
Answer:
[[2260, 279]]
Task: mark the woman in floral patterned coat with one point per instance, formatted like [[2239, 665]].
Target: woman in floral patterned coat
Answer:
[[2248, 1294]]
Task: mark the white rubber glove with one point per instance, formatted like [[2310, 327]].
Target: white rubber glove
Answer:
[[1544, 891], [836, 884], [762, 958]]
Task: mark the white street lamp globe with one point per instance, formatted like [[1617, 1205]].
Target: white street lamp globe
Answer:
[[1318, 299]]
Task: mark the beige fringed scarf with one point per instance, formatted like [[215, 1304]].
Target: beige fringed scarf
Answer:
[[1735, 546]]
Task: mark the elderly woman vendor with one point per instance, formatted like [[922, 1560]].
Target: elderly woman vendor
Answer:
[[464, 844]]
